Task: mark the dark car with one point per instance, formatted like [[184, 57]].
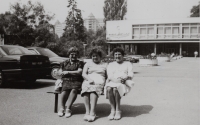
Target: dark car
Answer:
[[132, 58], [18, 63], [55, 60]]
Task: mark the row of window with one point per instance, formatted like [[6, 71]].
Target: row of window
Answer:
[[162, 31]]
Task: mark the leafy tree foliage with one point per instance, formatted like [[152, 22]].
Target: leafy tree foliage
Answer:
[[195, 11], [25, 22], [74, 34], [114, 9], [74, 29], [96, 39]]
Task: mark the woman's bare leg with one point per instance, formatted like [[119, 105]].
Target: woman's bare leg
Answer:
[[111, 98], [64, 97], [72, 98], [117, 99], [93, 102], [87, 102]]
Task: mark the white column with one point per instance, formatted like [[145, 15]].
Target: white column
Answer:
[[180, 30], [131, 48], [108, 49], [180, 50], [155, 48], [136, 49], [155, 31]]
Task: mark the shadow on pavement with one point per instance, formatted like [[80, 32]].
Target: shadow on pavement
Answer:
[[26, 85], [103, 110]]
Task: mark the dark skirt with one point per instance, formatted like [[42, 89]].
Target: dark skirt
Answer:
[[69, 84]]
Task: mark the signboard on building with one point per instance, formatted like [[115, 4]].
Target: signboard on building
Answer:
[[118, 30]]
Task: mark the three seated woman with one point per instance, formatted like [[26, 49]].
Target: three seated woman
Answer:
[[113, 79]]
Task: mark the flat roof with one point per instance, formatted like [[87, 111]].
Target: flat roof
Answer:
[[159, 21], [160, 41]]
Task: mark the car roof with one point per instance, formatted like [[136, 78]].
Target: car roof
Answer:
[[12, 45], [34, 47]]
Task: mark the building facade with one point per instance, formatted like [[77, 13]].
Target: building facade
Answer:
[[142, 37], [59, 28], [92, 23]]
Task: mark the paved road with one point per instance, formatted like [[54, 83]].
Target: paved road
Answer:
[[168, 94]]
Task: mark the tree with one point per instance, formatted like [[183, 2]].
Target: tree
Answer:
[[74, 34], [195, 11], [114, 10], [96, 39], [24, 23], [74, 29]]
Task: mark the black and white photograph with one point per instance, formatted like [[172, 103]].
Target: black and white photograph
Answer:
[[99, 62]]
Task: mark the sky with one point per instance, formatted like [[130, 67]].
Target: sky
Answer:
[[136, 9]]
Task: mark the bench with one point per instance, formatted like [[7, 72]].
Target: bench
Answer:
[[56, 101]]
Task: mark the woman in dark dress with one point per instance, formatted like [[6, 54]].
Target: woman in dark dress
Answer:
[[71, 72]]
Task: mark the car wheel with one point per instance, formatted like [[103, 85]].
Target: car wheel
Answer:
[[2, 80], [54, 71]]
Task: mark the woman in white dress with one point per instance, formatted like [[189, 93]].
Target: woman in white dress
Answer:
[[94, 74], [119, 82]]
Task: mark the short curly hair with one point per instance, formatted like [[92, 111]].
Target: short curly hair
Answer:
[[73, 50], [97, 51], [118, 49]]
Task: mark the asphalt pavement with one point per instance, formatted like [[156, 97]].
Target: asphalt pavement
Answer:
[[167, 94]]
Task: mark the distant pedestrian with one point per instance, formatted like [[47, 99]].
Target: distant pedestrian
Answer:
[[195, 54]]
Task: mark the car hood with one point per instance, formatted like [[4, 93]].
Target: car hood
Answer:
[[57, 59]]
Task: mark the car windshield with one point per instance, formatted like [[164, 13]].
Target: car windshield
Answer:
[[16, 50], [46, 52]]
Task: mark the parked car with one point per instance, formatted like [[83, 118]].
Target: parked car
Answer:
[[133, 58], [18, 63], [55, 60]]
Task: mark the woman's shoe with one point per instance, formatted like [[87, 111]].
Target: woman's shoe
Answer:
[[86, 117], [68, 113], [91, 118], [112, 115], [61, 112], [118, 115]]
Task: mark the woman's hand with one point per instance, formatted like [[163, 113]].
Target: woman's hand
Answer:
[[59, 72], [91, 82], [62, 73]]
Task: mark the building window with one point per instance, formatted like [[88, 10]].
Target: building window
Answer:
[[194, 32], [150, 32], [143, 31], [175, 32], [191, 30], [166, 31], [136, 33], [186, 33], [160, 32]]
